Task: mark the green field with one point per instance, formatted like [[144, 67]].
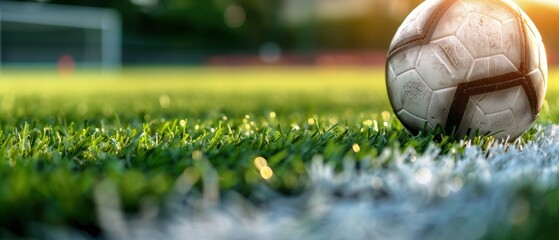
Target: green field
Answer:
[[145, 129]]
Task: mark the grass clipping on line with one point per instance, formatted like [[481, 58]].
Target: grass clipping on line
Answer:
[[477, 194]]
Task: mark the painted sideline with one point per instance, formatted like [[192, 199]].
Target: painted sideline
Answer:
[[412, 197]]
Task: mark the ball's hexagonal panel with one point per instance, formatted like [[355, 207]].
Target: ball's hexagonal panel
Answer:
[[405, 60], [455, 57], [520, 107], [512, 46], [393, 90], [467, 118], [414, 93], [413, 24], [411, 120], [482, 35], [484, 110], [475, 121], [523, 120], [500, 100], [479, 70], [539, 85], [453, 19], [433, 70], [534, 53], [499, 124], [498, 11], [490, 67], [440, 106]]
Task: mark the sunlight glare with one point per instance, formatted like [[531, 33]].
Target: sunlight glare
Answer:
[[550, 3]]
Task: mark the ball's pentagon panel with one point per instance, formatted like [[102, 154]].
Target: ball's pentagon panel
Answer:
[[467, 65]]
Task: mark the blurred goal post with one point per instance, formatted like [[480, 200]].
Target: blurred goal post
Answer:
[[40, 34]]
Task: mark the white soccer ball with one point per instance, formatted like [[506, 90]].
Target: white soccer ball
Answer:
[[467, 65]]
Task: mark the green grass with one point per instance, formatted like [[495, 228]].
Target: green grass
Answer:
[[143, 129]]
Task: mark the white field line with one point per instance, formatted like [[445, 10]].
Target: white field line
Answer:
[[413, 197]]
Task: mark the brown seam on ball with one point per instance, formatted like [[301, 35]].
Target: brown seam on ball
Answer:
[[530, 90], [469, 89], [423, 38], [528, 84], [419, 40], [466, 90]]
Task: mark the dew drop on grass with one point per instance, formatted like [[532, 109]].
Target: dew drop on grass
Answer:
[[272, 114], [356, 148], [266, 172], [311, 121], [183, 123], [260, 162]]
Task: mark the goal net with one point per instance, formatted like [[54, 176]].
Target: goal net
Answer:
[[45, 34]]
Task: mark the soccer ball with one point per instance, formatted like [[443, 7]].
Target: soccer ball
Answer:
[[467, 66]]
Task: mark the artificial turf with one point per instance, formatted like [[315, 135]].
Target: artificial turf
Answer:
[[144, 129]]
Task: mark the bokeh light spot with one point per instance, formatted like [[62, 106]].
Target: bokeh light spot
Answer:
[[456, 184], [164, 101], [377, 183], [385, 115], [234, 16], [65, 65], [270, 52], [443, 191], [82, 108], [197, 155], [423, 175], [520, 211]]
